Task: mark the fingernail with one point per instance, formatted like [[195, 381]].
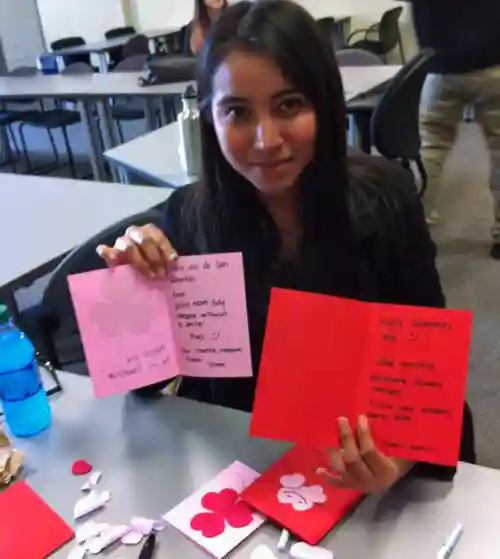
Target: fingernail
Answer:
[[161, 273], [99, 249], [363, 422], [152, 274], [343, 424], [122, 244], [173, 256], [137, 236]]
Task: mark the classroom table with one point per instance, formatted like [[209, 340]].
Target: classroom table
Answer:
[[155, 156], [153, 454], [101, 48], [43, 218], [90, 91]]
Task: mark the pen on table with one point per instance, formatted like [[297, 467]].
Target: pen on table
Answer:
[[451, 543], [148, 548]]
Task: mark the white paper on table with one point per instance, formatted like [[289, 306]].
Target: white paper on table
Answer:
[[238, 477], [107, 538], [90, 503]]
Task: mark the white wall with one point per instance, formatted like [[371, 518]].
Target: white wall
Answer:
[[86, 18], [20, 32], [155, 14]]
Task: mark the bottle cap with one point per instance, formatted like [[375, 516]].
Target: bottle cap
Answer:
[[190, 92], [4, 314]]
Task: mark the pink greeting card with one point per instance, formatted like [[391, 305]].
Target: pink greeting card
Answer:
[[138, 331], [214, 517]]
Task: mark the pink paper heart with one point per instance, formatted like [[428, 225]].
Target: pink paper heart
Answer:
[[293, 481]]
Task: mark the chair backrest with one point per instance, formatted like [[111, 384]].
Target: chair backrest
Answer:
[[78, 68], [389, 33], [120, 32], [139, 44], [330, 30], [394, 125], [56, 307], [67, 42], [135, 63], [22, 71], [357, 57]]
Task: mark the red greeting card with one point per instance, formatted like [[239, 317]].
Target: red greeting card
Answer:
[[404, 367], [28, 526], [292, 494]]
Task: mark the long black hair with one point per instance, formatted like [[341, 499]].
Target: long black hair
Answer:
[[202, 15], [230, 215]]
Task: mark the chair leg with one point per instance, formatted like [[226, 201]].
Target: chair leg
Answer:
[[401, 49], [423, 174], [12, 142], [120, 132], [29, 165], [71, 159]]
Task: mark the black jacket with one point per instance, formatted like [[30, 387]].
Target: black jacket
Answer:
[[398, 267], [464, 33]]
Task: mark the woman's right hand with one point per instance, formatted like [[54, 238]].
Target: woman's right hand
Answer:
[[145, 248]]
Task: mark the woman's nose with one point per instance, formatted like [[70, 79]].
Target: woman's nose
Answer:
[[267, 135]]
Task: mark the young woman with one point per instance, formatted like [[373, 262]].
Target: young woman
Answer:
[[207, 12], [279, 187]]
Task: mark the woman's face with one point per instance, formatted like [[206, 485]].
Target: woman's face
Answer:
[[214, 4], [266, 128]]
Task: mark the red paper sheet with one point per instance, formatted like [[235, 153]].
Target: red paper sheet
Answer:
[[405, 367], [29, 528], [292, 494]]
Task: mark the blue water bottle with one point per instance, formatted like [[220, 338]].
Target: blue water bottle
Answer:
[[23, 397]]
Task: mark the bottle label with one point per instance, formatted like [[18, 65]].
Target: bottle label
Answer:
[[21, 383]]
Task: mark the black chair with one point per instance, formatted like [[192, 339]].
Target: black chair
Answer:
[[53, 119], [361, 109], [115, 55], [389, 35], [136, 45], [395, 121], [331, 30], [177, 42], [127, 110], [68, 42], [55, 331]]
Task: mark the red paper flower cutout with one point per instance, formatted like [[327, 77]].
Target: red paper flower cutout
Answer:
[[225, 507]]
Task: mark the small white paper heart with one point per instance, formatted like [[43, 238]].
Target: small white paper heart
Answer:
[[133, 537], [90, 503], [159, 525], [107, 538], [143, 525], [86, 531]]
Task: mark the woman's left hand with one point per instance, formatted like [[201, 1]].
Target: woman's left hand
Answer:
[[359, 464]]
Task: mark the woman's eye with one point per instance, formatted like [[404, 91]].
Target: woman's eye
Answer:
[[292, 105], [236, 114]]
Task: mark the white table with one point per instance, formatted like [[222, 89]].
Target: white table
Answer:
[[155, 156], [154, 454], [90, 91], [101, 48], [44, 218]]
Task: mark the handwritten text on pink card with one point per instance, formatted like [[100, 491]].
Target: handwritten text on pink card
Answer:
[[209, 316], [137, 331]]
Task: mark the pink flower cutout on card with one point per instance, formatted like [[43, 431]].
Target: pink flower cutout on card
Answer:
[[128, 299], [301, 497], [224, 506]]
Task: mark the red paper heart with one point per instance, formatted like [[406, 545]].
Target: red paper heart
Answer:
[[80, 468], [240, 515], [210, 524], [220, 502]]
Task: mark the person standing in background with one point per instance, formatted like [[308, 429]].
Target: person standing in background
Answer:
[[466, 71], [206, 13]]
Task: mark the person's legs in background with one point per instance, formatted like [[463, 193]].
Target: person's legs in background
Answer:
[[487, 85], [441, 110]]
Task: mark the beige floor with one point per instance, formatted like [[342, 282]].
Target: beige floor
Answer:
[[470, 279]]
